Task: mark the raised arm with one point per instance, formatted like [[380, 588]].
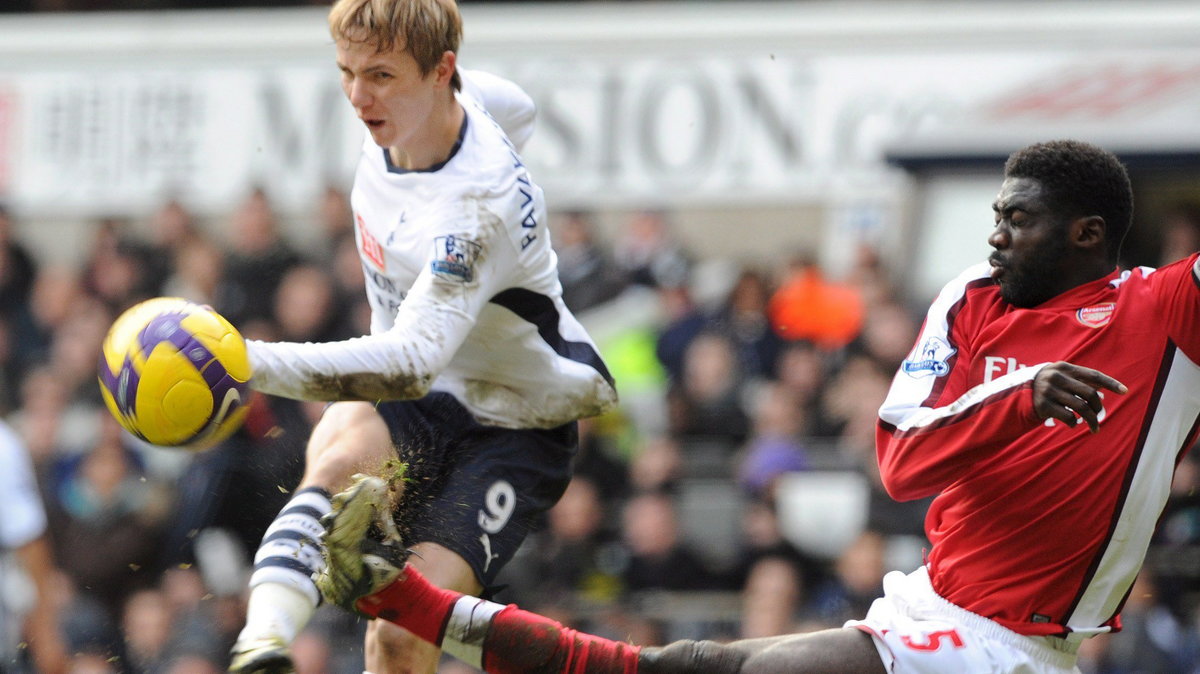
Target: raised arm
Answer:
[[434, 319]]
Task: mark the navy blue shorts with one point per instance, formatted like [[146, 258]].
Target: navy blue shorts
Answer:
[[477, 490]]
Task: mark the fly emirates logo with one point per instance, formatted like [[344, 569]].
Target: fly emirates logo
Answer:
[[998, 366]]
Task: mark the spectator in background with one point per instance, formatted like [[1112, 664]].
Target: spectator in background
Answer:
[[146, 623], [172, 231], [75, 347], [10, 369], [851, 404], [17, 274], [809, 307], [856, 582], [56, 293], [350, 286], [586, 271], [577, 553], [801, 371], [306, 308], [23, 541], [242, 483], [775, 447], [656, 465], [888, 333], [649, 254], [257, 259], [1180, 233], [600, 460], [683, 321], [705, 405], [197, 273], [107, 519], [118, 272], [743, 319], [1177, 541], [39, 418], [658, 559], [335, 218], [771, 598], [762, 539]]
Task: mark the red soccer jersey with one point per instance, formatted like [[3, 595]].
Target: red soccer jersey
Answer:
[[1040, 526]]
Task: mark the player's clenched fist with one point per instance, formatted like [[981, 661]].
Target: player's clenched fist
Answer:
[[1069, 392]]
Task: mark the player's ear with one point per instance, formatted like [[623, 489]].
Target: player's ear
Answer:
[[1088, 232], [444, 70]]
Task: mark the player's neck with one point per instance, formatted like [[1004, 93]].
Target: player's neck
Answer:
[[435, 143]]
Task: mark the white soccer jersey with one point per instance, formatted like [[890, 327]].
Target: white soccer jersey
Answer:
[[463, 287]]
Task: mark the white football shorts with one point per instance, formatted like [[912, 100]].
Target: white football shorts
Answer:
[[918, 632]]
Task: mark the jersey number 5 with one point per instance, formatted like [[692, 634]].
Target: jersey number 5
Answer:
[[933, 640]]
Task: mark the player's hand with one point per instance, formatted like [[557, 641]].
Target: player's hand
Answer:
[[1070, 393]]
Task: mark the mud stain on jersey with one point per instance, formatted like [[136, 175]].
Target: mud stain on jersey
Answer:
[[367, 386]]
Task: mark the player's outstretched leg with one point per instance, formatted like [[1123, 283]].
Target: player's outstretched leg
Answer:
[[363, 550], [282, 596], [350, 438]]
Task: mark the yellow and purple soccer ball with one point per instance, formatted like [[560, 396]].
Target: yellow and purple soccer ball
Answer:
[[175, 373]]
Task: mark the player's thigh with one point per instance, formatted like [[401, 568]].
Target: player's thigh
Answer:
[[834, 651], [495, 489], [351, 437], [445, 568]]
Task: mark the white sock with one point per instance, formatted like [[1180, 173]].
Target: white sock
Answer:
[[283, 596], [276, 610]]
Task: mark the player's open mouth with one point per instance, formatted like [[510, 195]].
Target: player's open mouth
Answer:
[[373, 123]]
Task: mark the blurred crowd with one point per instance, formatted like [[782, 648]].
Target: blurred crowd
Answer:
[[690, 515]]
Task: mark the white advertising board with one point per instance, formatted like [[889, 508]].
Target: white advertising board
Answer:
[[678, 105]]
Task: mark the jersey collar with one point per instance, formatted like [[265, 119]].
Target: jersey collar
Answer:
[[462, 134], [1081, 295]]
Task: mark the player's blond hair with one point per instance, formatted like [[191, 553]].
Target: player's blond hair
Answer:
[[426, 29]]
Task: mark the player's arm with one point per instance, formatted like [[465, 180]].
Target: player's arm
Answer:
[[933, 429], [24, 531], [934, 426], [41, 625], [1176, 290], [433, 321]]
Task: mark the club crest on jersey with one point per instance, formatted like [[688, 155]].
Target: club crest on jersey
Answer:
[[1097, 316], [930, 358], [454, 257], [370, 245]]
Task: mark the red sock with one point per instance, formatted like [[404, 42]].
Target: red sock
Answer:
[[516, 641], [520, 642], [413, 603]]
